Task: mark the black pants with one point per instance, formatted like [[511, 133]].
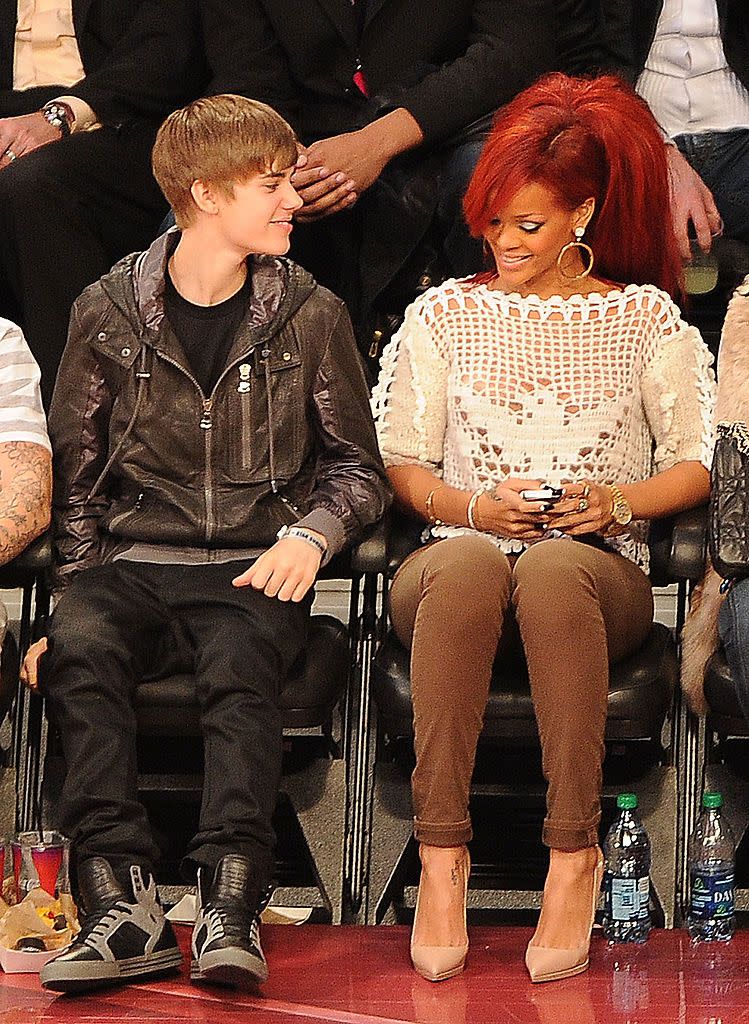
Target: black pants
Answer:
[[117, 624], [68, 211]]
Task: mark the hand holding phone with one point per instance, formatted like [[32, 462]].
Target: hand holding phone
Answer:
[[547, 494]]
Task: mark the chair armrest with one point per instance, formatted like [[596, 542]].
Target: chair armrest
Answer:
[[370, 554], [24, 567], [678, 553]]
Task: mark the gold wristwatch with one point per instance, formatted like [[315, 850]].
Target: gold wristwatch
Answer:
[[621, 509]]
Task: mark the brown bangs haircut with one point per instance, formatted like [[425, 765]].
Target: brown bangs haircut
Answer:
[[219, 140]]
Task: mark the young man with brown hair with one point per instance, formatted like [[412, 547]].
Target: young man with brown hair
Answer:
[[210, 400]]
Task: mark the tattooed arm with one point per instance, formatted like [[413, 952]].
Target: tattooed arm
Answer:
[[25, 495]]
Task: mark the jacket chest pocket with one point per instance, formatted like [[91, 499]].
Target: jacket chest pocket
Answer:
[[265, 405]]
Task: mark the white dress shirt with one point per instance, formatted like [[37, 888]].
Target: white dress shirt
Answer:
[[687, 82]]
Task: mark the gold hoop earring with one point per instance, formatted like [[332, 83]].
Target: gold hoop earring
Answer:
[[486, 250], [583, 247]]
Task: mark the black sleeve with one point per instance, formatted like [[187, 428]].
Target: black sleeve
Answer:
[[155, 67], [244, 55], [510, 44]]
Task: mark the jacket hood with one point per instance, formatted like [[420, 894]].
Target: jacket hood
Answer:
[[136, 286]]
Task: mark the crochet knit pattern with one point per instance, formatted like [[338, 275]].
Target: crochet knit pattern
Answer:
[[479, 385]]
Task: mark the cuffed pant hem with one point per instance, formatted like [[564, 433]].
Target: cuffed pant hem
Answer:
[[454, 833], [571, 836]]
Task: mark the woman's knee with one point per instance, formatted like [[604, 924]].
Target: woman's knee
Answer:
[[551, 567]]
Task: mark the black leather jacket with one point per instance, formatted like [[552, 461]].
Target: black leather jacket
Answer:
[[142, 455]]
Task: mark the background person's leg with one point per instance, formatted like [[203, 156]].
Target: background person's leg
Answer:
[[734, 631], [68, 211], [722, 161]]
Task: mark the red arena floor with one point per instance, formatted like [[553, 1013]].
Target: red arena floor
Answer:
[[362, 976]]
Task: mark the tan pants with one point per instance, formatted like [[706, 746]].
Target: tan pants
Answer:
[[577, 607]]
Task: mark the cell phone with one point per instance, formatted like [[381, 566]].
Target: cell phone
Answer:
[[546, 493]]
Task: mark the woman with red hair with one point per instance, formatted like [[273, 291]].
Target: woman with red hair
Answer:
[[537, 417]]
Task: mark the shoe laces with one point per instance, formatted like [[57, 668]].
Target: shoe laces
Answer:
[[97, 926]]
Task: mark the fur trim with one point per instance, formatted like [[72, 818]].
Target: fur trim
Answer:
[[699, 639], [732, 403]]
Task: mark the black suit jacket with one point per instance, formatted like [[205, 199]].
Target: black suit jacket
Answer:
[[449, 62], [629, 29], [142, 58]]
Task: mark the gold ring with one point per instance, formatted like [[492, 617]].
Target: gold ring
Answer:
[[10, 154], [586, 490], [582, 505]]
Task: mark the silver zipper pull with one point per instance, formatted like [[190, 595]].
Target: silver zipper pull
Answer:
[[244, 378], [205, 419]]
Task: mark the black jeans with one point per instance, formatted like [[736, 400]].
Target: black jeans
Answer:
[[68, 211], [117, 624]]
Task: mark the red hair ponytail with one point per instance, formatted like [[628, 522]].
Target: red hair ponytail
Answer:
[[580, 138]]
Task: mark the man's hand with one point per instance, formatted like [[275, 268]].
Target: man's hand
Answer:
[[323, 190], [23, 134], [691, 200], [30, 669], [332, 173], [286, 571]]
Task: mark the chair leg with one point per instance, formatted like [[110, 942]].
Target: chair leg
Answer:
[[659, 797], [360, 762], [317, 798], [392, 825]]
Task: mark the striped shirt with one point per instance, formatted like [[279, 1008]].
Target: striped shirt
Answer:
[[21, 413], [687, 82]]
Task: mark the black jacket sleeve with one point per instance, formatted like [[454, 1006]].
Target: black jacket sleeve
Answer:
[[509, 45], [352, 490], [156, 66]]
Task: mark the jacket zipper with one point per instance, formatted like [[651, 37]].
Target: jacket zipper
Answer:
[[205, 425]]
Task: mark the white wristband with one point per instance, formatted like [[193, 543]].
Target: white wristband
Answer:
[[302, 534]]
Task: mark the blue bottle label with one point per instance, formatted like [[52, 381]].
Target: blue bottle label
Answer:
[[711, 894], [628, 898]]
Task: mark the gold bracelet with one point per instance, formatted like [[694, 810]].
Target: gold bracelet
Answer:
[[432, 518]]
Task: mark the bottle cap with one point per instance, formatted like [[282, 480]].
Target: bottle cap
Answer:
[[712, 801], [626, 801]]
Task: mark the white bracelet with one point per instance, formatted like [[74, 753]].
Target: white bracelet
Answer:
[[472, 508], [302, 534]]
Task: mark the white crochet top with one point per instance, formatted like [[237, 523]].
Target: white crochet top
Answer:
[[479, 385]]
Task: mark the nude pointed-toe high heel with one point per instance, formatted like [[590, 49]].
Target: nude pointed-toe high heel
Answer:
[[437, 963], [545, 963]]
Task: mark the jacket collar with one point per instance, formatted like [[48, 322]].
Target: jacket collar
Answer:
[[136, 286], [339, 13], [81, 9]]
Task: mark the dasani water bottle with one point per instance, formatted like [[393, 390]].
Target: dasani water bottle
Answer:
[[626, 879], [711, 916]]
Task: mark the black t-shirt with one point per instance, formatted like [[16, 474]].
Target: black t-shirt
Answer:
[[206, 333]]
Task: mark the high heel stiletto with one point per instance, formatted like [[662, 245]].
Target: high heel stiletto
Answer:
[[437, 963], [545, 963]]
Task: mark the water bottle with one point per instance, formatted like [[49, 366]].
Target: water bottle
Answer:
[[711, 916], [626, 877]]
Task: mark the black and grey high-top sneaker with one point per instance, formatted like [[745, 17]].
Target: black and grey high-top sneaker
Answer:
[[226, 938], [123, 935]]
